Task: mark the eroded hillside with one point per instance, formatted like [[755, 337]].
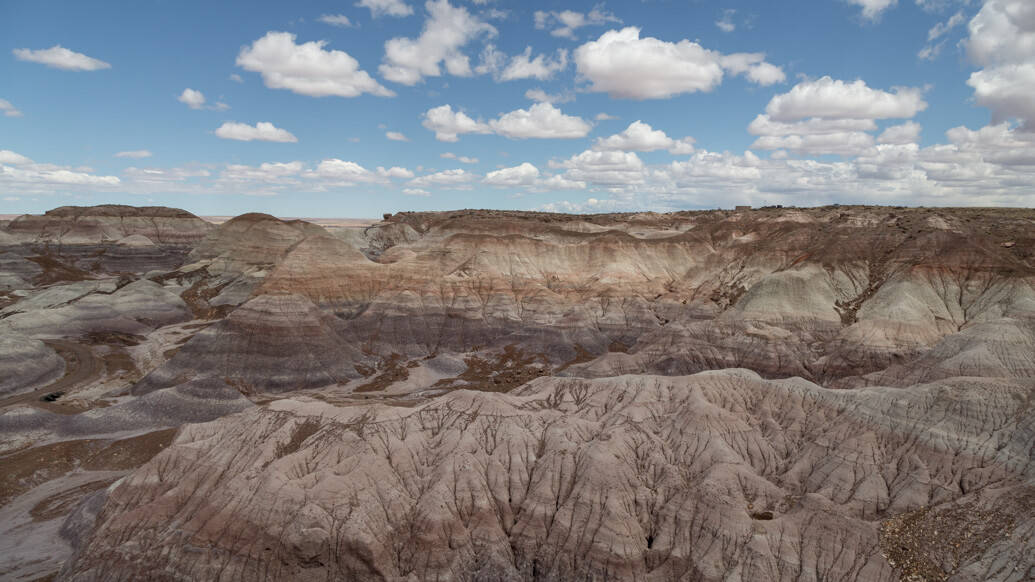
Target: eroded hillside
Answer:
[[773, 394]]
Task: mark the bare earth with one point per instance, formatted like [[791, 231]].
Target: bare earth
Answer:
[[838, 393]]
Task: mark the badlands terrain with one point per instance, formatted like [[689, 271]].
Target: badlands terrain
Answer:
[[838, 393]]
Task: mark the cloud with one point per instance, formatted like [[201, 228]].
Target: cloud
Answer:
[[845, 143], [566, 22], [340, 172], [135, 154], [193, 99], [448, 124], [8, 109], [59, 57], [528, 177], [339, 20], [993, 165], [604, 117], [379, 8], [394, 172], [307, 69], [295, 176], [932, 49], [396, 136], [541, 96], [725, 23], [447, 29], [265, 172], [836, 99], [541, 120], [711, 167], [461, 159], [641, 137], [20, 174], [559, 183], [872, 9], [452, 179], [236, 78], [612, 168], [828, 116], [522, 66], [415, 192], [754, 67], [1002, 41], [763, 125], [905, 133], [937, 5], [1007, 91], [196, 100], [524, 175], [9, 157], [942, 28], [262, 131], [625, 66]]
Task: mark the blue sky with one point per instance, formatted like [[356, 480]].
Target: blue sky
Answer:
[[291, 108]]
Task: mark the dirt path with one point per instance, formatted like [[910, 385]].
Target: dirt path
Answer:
[[81, 367]]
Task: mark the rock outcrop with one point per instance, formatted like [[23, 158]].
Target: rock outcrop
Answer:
[[26, 363], [109, 223]]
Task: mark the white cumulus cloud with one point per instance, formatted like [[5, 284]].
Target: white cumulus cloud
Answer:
[[453, 179], [342, 172], [9, 157], [191, 98], [379, 8], [612, 168], [59, 57], [827, 116], [21, 174], [448, 124], [754, 67], [396, 136], [763, 125], [1002, 41], [846, 143], [523, 66], [872, 9], [196, 100], [447, 29], [261, 131], [835, 99], [641, 137], [307, 68], [394, 172], [623, 65], [524, 175], [541, 120], [905, 133], [265, 172]]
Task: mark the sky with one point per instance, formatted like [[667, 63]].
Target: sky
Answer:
[[353, 109]]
